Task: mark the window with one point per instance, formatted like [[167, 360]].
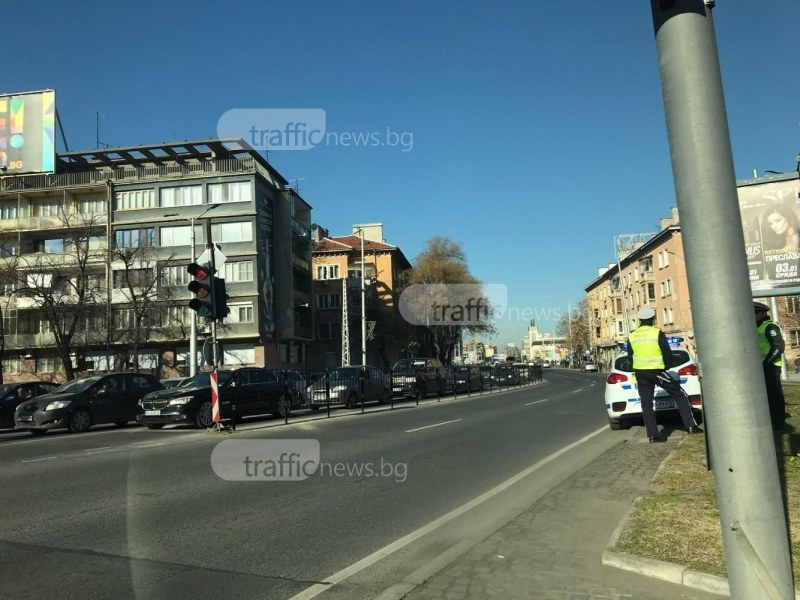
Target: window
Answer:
[[329, 331], [327, 272], [238, 354], [234, 191], [90, 206], [48, 364], [132, 277], [187, 195], [48, 208], [651, 291], [8, 286], [52, 246], [241, 270], [124, 318], [239, 231], [8, 210], [99, 362], [241, 312], [12, 366], [9, 322], [180, 235], [135, 238], [175, 316], [135, 199], [175, 276], [794, 338], [354, 270], [9, 248], [329, 301], [793, 304]]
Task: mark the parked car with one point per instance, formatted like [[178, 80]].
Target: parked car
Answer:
[[413, 377], [590, 367], [254, 391], [172, 382], [505, 374], [345, 384], [546, 364], [466, 378], [297, 386], [14, 394], [623, 404], [81, 403]]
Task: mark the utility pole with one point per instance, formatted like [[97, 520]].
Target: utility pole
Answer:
[[742, 446]]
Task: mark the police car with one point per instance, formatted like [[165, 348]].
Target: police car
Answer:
[[623, 404]]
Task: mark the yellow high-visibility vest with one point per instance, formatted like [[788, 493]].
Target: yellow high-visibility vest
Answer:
[[646, 351], [763, 342]]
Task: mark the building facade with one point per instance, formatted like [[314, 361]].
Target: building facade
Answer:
[[337, 270], [652, 275], [93, 259]]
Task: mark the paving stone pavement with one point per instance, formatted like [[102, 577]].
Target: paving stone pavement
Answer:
[[553, 550]]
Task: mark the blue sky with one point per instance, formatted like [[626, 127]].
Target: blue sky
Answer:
[[538, 131]]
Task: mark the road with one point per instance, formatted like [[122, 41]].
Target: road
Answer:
[[134, 513]]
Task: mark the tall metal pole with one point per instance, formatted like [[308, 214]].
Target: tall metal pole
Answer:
[[742, 447], [622, 291], [193, 330], [363, 304]]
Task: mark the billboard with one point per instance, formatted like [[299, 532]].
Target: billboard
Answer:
[[27, 132], [771, 226]]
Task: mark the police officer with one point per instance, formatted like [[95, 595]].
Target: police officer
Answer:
[[771, 345], [651, 356]]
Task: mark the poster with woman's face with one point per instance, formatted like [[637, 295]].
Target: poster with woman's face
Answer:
[[771, 229]]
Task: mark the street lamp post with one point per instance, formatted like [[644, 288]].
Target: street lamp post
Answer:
[[193, 327], [363, 304]]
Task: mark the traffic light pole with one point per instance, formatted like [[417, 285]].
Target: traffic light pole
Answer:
[[748, 488], [193, 329], [210, 247]]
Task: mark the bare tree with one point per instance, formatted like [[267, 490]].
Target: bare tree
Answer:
[[140, 276], [63, 278], [575, 327], [9, 280], [443, 261]]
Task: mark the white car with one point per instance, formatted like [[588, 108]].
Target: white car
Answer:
[[546, 364], [622, 400], [590, 367]]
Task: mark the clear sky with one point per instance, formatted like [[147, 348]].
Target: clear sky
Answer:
[[533, 131]]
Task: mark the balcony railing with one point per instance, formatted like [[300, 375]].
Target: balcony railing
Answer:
[[127, 174]]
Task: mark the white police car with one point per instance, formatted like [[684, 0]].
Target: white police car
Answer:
[[623, 404]]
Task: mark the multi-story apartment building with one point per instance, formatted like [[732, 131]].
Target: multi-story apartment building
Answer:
[[99, 251], [337, 270], [538, 346], [652, 275]]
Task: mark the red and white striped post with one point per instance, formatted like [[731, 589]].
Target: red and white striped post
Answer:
[[214, 397]]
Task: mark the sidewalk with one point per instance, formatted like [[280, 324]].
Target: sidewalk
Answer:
[[553, 550]]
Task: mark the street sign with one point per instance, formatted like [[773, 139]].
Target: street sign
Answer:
[[208, 352], [219, 258]]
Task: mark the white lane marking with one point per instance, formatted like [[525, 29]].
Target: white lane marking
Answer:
[[97, 449], [437, 425], [146, 444], [537, 402], [317, 589], [38, 459], [578, 390]]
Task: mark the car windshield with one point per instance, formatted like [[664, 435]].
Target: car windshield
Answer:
[[344, 373], [78, 385], [203, 380], [409, 365]]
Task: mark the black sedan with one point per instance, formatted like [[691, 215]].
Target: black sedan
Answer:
[[81, 403], [14, 394]]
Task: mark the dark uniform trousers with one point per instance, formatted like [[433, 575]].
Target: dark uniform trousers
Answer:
[[777, 403], [647, 380]]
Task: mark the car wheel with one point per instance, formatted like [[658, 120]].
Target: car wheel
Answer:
[[352, 400], [154, 425], [284, 407], [616, 425], [315, 407], [120, 423], [80, 421], [384, 396], [204, 418]]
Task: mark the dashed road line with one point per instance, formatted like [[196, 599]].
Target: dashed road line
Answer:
[[436, 425], [537, 402]]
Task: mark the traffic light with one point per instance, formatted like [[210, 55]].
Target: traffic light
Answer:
[[201, 287], [221, 309]]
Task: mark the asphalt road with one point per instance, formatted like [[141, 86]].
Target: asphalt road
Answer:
[[133, 513]]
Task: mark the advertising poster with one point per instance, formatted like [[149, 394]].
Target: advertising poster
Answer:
[[27, 132], [266, 277], [770, 213]]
